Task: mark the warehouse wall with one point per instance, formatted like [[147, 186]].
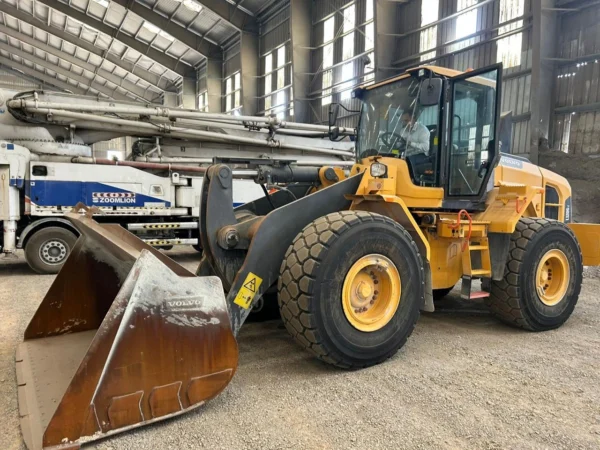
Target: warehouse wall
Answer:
[[274, 35], [320, 13], [478, 50], [576, 125]]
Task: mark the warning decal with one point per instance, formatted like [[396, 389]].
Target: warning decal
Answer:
[[248, 290]]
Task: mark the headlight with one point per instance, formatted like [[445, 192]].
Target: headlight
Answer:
[[378, 170]]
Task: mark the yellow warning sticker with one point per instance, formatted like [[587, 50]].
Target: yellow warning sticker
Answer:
[[248, 290]]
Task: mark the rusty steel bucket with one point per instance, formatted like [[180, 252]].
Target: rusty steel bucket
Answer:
[[125, 337]]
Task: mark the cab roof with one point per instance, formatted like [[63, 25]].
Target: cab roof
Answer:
[[443, 71]]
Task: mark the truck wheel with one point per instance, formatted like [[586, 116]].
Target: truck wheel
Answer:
[[542, 277], [351, 288], [48, 249]]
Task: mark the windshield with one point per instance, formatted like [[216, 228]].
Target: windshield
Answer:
[[392, 122]]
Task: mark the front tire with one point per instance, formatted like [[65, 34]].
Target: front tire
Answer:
[[351, 288], [48, 249], [542, 277]]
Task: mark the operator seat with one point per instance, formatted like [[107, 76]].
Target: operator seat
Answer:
[[422, 168]]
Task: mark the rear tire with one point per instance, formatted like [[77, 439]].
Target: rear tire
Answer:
[[312, 284], [523, 299], [48, 249]]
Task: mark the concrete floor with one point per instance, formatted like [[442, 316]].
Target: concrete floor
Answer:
[[463, 381]]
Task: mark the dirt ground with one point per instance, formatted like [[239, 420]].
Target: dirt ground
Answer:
[[463, 381]]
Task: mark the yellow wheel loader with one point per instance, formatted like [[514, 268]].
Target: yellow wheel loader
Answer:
[[126, 337]]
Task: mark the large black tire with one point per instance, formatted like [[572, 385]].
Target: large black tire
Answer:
[[515, 299], [311, 280], [48, 249]]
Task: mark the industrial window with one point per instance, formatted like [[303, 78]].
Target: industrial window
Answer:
[[268, 81], [369, 69], [430, 10], [348, 50], [466, 24], [369, 10], [509, 48], [280, 97], [233, 94], [281, 65], [203, 101], [328, 31]]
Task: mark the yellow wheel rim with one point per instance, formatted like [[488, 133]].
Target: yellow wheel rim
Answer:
[[371, 292], [552, 277]]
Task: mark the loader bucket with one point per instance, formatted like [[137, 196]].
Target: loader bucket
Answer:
[[124, 337]]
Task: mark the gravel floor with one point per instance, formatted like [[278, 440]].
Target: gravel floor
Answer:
[[463, 381]]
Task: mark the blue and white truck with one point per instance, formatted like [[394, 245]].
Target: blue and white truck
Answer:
[[47, 167], [35, 194]]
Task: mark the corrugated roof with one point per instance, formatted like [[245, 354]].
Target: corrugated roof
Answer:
[[68, 44]]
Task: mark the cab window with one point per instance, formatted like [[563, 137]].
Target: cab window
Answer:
[[472, 133]]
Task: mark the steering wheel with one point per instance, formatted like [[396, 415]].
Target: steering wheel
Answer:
[[390, 143]]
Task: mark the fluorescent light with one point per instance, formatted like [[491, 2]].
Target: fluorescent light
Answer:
[[103, 3]]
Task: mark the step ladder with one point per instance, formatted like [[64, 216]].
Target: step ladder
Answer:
[[475, 249], [479, 244]]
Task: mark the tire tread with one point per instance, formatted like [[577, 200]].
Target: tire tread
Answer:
[[504, 301], [296, 276]]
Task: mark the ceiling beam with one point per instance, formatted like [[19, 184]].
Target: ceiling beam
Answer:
[[237, 17], [170, 62], [41, 76], [115, 94], [179, 32], [141, 93], [21, 75], [155, 80]]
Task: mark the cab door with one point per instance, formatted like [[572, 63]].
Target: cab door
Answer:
[[472, 139]]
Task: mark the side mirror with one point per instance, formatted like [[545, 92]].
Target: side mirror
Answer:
[[431, 91], [334, 112]]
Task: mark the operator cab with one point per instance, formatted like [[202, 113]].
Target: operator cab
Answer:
[[442, 122]]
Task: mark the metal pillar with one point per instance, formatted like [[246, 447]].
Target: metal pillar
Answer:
[[170, 99], [301, 29], [249, 70], [544, 36], [188, 93], [214, 85], [385, 23]]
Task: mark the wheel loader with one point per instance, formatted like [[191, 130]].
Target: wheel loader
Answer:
[[126, 337]]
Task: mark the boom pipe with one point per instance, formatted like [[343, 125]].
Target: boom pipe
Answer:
[[138, 165], [186, 133], [37, 106], [182, 160]]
